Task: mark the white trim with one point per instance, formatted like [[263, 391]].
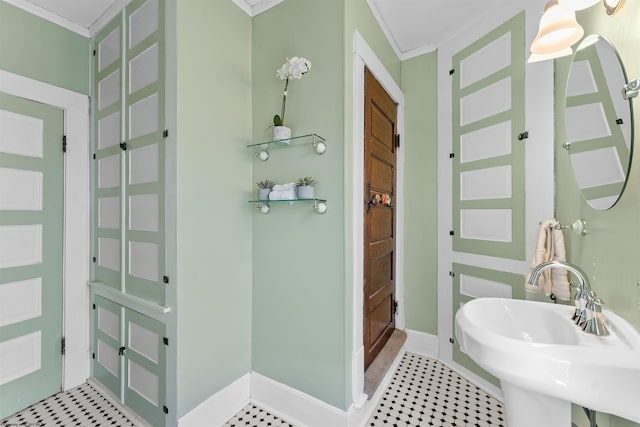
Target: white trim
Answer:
[[292, 405], [363, 56], [422, 343], [428, 48], [76, 217], [385, 28], [258, 8], [221, 406], [49, 16], [107, 16]]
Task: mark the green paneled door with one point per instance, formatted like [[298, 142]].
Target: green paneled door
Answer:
[[31, 218], [108, 155], [145, 364], [471, 282], [488, 99], [145, 155], [108, 339]]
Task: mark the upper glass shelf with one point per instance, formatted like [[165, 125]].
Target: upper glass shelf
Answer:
[[262, 148]]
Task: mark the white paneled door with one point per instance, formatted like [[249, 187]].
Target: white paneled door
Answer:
[[31, 218]]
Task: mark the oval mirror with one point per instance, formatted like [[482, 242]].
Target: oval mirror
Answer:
[[598, 122]]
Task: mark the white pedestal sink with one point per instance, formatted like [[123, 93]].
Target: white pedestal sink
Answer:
[[545, 362]]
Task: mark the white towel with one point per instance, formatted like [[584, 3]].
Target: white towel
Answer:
[[550, 247], [284, 187], [283, 195]]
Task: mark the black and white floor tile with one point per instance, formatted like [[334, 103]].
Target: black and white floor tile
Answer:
[[253, 416], [423, 392], [82, 406]]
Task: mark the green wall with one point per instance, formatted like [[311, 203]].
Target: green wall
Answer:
[[298, 255], [213, 227], [419, 84], [609, 253], [43, 51], [302, 267]]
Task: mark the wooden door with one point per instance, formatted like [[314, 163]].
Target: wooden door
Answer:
[[379, 217], [31, 214]]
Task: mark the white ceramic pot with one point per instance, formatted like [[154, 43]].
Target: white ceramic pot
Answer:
[[263, 194], [305, 192], [281, 132]]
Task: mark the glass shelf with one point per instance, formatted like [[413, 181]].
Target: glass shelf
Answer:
[[262, 148], [319, 205]]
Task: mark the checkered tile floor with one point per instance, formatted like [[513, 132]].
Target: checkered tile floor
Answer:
[[82, 406], [423, 392]]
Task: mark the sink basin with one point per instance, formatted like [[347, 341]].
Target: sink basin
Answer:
[[545, 362]]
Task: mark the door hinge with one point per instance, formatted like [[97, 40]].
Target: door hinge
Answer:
[[64, 143], [93, 306], [452, 341], [451, 71], [398, 140], [452, 155], [122, 351], [165, 409], [452, 274], [94, 157], [165, 133], [165, 279], [63, 345], [123, 145], [523, 135], [94, 52], [93, 355], [395, 306], [619, 121], [452, 233], [165, 340]]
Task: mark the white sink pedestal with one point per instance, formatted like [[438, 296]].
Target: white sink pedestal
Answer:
[[525, 408]]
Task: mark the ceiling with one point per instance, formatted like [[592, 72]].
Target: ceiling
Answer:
[[413, 27]]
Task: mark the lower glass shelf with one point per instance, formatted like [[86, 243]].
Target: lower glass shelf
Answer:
[[319, 205]]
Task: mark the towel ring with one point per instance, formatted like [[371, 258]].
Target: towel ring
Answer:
[[579, 227]]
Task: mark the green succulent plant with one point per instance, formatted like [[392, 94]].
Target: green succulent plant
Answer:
[[307, 180], [277, 121], [266, 184]]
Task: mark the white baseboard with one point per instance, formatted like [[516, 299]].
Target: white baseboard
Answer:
[[294, 406], [217, 409], [421, 343]]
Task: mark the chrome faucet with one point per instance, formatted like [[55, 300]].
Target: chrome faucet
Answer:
[[588, 307]]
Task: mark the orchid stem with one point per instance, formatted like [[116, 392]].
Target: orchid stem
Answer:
[[284, 100]]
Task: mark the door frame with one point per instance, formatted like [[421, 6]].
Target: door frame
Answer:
[[75, 369], [363, 56]]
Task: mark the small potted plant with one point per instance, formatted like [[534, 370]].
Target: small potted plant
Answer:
[[304, 187], [264, 188], [294, 68]]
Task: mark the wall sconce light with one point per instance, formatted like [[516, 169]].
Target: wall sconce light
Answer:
[[558, 30], [631, 89]]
